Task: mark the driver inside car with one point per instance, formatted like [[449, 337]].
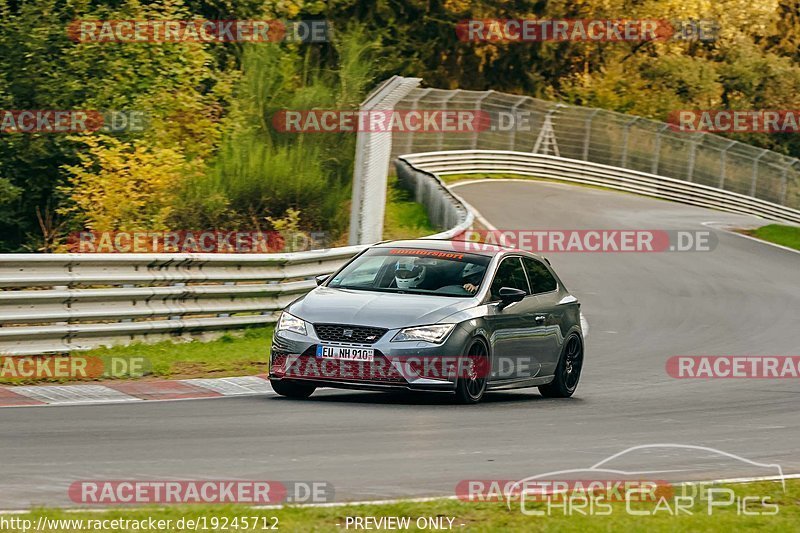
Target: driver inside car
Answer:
[[412, 274], [471, 277], [409, 275]]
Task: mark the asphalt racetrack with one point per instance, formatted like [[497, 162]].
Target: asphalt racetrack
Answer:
[[743, 298]]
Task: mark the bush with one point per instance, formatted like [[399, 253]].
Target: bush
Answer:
[[260, 172]]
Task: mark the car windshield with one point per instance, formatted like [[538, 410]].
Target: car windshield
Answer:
[[415, 271]]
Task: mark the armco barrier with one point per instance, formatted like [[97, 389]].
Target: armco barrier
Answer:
[[444, 209], [588, 173], [57, 303], [62, 302]]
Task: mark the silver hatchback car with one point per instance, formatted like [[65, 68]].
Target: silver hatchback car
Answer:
[[428, 315]]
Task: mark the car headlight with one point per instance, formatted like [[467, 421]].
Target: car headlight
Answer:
[[435, 333], [291, 323]]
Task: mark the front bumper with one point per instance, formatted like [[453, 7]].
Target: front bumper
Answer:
[[408, 365]]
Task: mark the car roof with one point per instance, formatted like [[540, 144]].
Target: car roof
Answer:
[[476, 248]]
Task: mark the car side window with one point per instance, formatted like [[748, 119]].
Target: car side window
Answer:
[[540, 277], [509, 274]]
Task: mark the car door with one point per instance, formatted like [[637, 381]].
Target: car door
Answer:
[[513, 326], [548, 311]]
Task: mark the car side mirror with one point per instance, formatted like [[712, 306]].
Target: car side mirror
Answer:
[[322, 279], [509, 295]]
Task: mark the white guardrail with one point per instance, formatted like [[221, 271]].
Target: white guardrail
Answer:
[[588, 173], [58, 303], [53, 303]]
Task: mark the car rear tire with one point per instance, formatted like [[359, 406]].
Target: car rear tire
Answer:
[[471, 387], [568, 371], [292, 389]]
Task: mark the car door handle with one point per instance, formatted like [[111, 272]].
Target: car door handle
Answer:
[[540, 318]]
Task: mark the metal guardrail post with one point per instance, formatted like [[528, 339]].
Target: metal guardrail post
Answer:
[[784, 183], [446, 108], [624, 158], [588, 135], [755, 172], [421, 94], [521, 101], [723, 169], [692, 157], [477, 107], [657, 151], [785, 180]]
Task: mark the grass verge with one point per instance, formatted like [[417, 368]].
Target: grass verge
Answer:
[[404, 218], [770, 508], [236, 353], [788, 236]]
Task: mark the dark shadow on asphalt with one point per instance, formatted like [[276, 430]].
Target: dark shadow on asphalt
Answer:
[[329, 396]]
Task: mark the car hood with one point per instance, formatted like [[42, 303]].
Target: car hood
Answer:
[[326, 305]]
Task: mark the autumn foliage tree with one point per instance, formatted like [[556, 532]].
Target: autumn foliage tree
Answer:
[[124, 186], [210, 156]]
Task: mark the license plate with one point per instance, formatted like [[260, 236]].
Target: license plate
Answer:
[[344, 353]]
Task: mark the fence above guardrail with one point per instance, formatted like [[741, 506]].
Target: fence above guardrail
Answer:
[[588, 173], [526, 124]]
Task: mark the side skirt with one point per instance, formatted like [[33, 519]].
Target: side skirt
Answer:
[[519, 383]]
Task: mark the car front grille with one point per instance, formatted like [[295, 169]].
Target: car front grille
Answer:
[[379, 371], [344, 333]]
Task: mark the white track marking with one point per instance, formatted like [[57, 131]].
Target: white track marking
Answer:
[[62, 395], [74, 394], [237, 386]]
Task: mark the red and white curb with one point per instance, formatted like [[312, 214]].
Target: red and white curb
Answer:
[[133, 391]]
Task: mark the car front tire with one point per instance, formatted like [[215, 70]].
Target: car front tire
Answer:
[[471, 386], [292, 389], [568, 371]]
